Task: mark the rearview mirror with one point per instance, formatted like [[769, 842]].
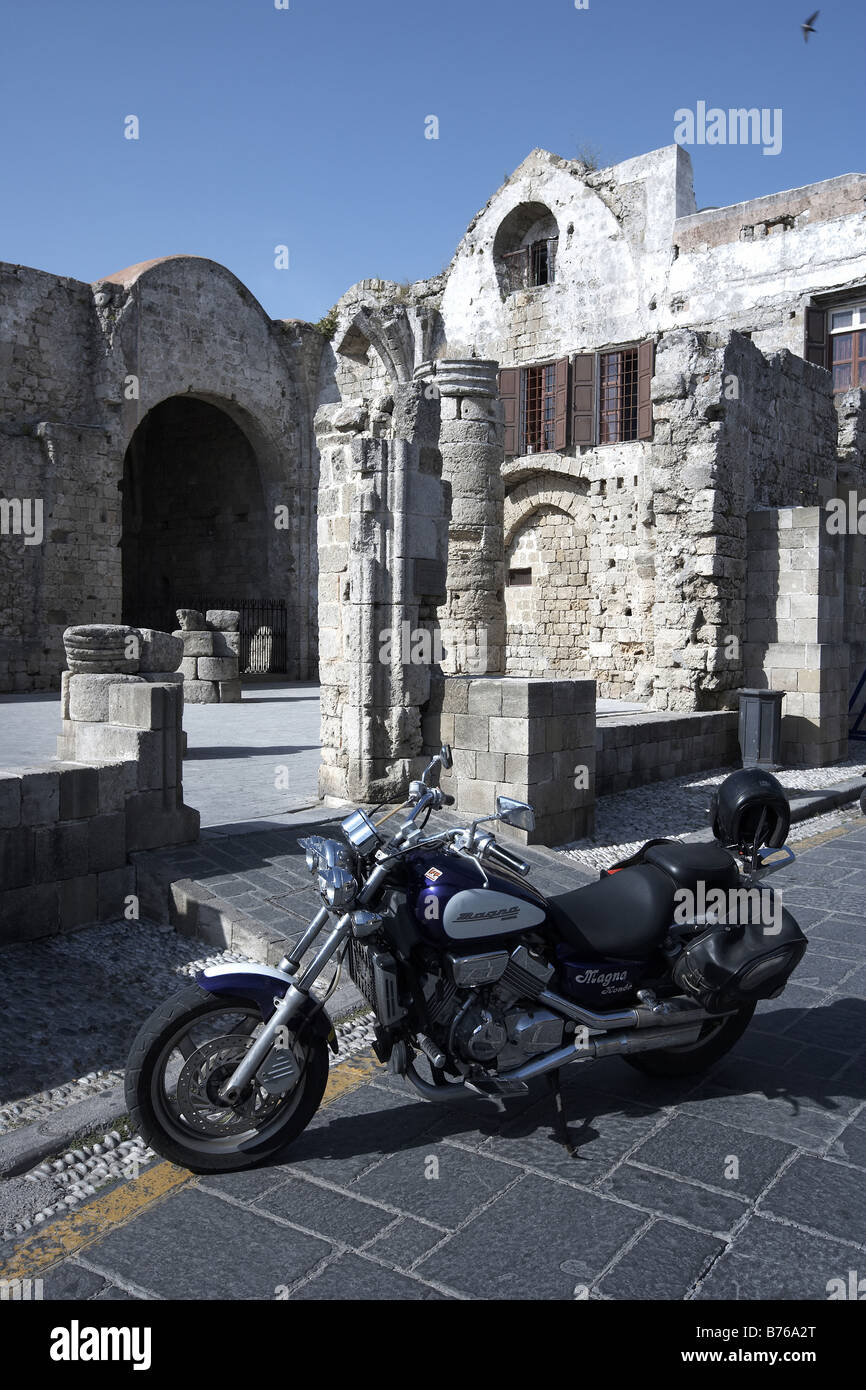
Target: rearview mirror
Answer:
[[445, 756], [516, 813]]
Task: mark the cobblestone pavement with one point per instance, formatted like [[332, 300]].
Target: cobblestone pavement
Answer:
[[678, 807], [749, 1182]]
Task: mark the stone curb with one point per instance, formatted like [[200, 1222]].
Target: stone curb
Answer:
[[22, 1149], [807, 805]]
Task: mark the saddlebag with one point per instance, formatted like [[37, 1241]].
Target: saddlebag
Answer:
[[729, 966]]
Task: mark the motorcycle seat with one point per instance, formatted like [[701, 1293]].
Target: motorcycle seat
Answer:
[[688, 865], [626, 914]]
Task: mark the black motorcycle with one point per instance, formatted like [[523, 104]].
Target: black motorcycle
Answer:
[[468, 967]]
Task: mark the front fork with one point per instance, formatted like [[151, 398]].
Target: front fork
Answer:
[[298, 991], [294, 998]]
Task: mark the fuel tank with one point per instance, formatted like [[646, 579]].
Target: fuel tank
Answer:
[[452, 902]]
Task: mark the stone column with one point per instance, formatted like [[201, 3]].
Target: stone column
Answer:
[[471, 440], [382, 540]]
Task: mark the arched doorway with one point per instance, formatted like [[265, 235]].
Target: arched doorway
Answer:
[[546, 595], [195, 527]]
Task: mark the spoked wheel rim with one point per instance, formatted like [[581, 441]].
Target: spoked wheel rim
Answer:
[[196, 1059]]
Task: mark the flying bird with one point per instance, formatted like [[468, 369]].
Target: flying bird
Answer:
[[809, 26]]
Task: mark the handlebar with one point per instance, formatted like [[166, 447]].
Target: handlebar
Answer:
[[497, 855]]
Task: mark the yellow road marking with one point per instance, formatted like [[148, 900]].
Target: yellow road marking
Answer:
[[49, 1244], [58, 1240]]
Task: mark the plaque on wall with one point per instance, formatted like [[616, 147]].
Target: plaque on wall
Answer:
[[429, 578]]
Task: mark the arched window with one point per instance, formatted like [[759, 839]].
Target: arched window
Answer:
[[524, 249]]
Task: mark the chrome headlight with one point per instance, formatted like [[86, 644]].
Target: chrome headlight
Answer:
[[338, 887]]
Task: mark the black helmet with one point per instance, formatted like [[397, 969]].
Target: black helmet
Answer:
[[749, 810]]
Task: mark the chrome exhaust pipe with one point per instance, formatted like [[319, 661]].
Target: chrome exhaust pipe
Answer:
[[611, 1045], [640, 1016], [614, 1045], [452, 1090]]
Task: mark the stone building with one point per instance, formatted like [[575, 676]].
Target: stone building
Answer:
[[598, 447], [161, 418]]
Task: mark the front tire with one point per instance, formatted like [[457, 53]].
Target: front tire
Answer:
[[716, 1038], [183, 1052]]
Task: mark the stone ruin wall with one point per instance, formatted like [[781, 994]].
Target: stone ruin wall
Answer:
[[382, 545], [182, 328], [68, 827]]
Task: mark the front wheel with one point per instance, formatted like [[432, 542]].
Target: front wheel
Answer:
[[181, 1057], [715, 1039]]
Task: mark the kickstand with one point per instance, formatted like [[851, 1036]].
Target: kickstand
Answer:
[[560, 1127]]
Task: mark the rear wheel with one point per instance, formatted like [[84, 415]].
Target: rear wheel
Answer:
[[181, 1057], [716, 1038]]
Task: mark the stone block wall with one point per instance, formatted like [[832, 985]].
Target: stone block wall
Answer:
[[631, 750], [211, 651], [382, 546], [794, 636], [529, 739], [66, 828], [63, 846]]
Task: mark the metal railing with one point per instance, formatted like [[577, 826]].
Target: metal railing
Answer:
[[263, 631]]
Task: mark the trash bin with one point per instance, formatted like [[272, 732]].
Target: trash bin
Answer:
[[761, 727]]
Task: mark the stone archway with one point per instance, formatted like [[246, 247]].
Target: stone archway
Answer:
[[195, 524]]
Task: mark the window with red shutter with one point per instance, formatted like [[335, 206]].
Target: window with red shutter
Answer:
[[560, 414], [645, 365], [583, 406], [509, 394], [816, 337]]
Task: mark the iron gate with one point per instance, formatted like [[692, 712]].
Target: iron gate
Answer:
[[263, 629]]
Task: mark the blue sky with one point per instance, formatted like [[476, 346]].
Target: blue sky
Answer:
[[305, 127]]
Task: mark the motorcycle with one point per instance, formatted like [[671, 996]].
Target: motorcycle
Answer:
[[467, 966]]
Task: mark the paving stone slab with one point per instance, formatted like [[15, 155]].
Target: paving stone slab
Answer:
[[191, 1246], [784, 1118], [602, 1131], [711, 1211], [850, 1146], [439, 1182], [828, 1197], [664, 1263], [73, 1281], [357, 1130], [405, 1242], [769, 1260], [691, 1147], [536, 1241], [351, 1277], [344, 1219]]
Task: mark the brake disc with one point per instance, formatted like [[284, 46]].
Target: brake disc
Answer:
[[199, 1083]]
